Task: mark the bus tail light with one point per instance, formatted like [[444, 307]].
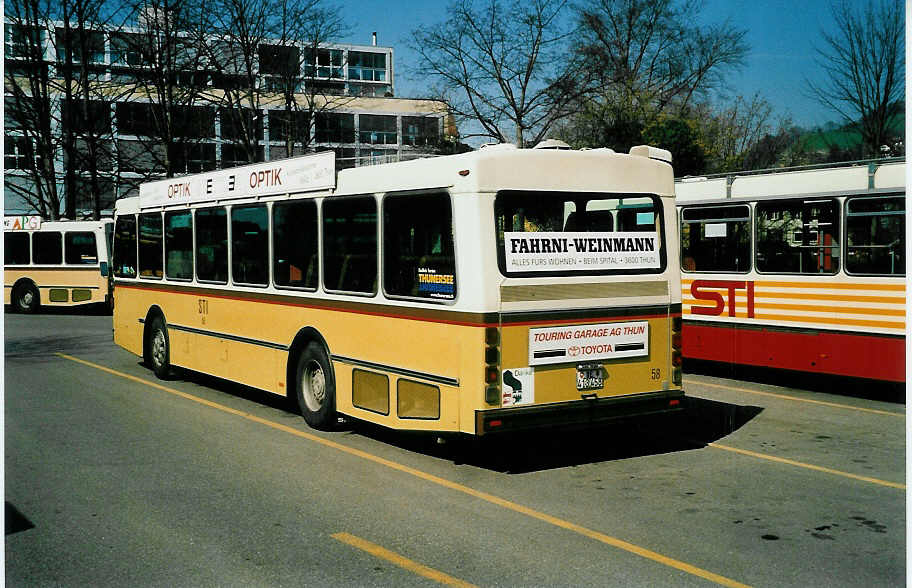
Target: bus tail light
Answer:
[[676, 351], [492, 365]]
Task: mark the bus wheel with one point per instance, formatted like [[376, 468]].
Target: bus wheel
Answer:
[[26, 299], [158, 352], [315, 390]]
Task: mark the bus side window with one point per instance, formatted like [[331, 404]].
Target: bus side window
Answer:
[[875, 228], [47, 248], [716, 238], [80, 248], [250, 245], [294, 244], [350, 244], [150, 245], [798, 236], [15, 248], [179, 245], [418, 258], [125, 247], [212, 245]]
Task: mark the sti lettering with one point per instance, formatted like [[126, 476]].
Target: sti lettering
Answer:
[[706, 290]]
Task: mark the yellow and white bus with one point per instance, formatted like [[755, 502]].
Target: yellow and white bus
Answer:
[[58, 263], [489, 291]]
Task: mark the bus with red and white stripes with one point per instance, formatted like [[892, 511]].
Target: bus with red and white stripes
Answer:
[[798, 269]]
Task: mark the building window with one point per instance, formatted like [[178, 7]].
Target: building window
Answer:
[[18, 153], [284, 125], [79, 248], [420, 131], [377, 129], [150, 245], [47, 248], [329, 63], [92, 42], [22, 41], [716, 238], [418, 246], [250, 245], [294, 244], [212, 245], [126, 49], [874, 235], [367, 66], [125, 247], [335, 128], [134, 118], [350, 244], [279, 60], [15, 248], [179, 245], [798, 236]]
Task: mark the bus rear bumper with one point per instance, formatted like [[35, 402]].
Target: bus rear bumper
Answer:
[[577, 412]]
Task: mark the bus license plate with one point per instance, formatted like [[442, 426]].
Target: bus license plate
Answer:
[[589, 376]]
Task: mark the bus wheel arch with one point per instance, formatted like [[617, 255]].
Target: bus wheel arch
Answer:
[[156, 343], [25, 297], [310, 372]]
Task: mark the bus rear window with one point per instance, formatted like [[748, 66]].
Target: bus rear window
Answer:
[[547, 233]]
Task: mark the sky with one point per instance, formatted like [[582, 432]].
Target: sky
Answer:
[[781, 35]]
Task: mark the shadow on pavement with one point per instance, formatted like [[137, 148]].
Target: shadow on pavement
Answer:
[[702, 421], [14, 521], [830, 384]]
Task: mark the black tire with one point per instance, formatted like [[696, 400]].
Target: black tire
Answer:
[[26, 298], [315, 387], [158, 349]]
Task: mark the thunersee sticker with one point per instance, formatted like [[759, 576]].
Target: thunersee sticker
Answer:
[[561, 251]]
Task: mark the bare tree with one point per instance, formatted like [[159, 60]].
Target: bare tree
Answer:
[[648, 59], [302, 29], [864, 63], [501, 65], [86, 114], [241, 27], [161, 61], [30, 106]]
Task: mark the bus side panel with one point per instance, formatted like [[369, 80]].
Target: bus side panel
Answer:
[[844, 354], [423, 347], [92, 286], [256, 336], [129, 307]]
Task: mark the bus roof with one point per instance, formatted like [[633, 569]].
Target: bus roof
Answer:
[[863, 177], [501, 167]]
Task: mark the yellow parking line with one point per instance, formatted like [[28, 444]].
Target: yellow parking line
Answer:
[[808, 466], [401, 561], [796, 399], [490, 498]]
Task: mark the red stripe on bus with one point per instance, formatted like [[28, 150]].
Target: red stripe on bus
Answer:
[[406, 316], [826, 352]]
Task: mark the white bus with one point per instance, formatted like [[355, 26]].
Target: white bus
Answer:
[[60, 263], [489, 291]]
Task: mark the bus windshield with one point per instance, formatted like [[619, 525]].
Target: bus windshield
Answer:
[[578, 233]]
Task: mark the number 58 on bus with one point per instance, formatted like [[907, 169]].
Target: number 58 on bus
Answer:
[[491, 291]]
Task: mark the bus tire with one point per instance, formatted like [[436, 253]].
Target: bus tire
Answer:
[[26, 298], [315, 389], [158, 349]]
